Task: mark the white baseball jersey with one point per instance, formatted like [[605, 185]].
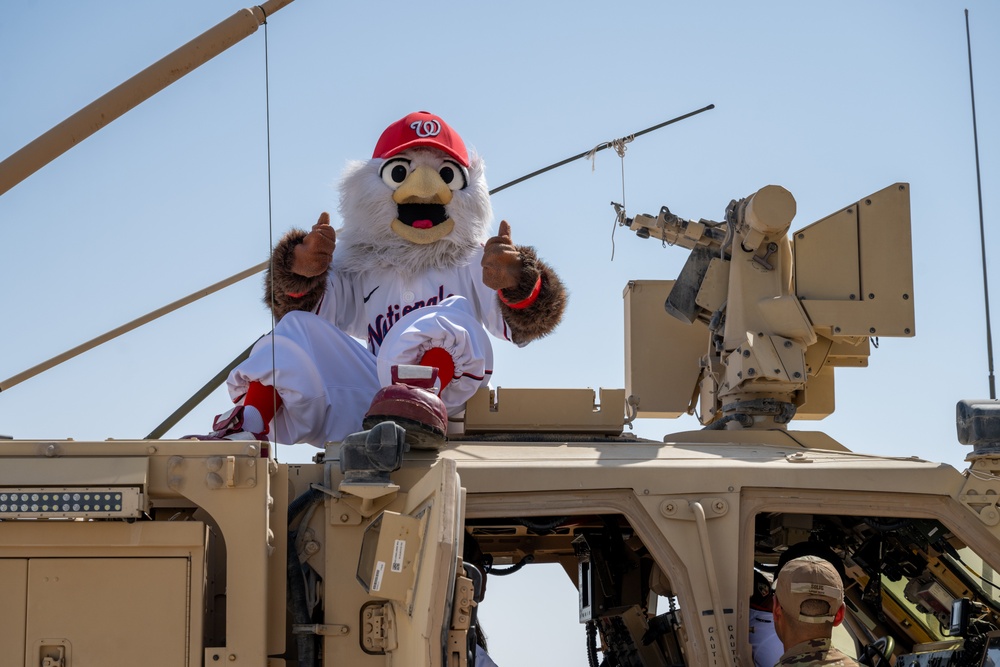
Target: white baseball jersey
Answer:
[[367, 305], [326, 379]]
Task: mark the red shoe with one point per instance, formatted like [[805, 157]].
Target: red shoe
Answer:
[[229, 426], [411, 402]]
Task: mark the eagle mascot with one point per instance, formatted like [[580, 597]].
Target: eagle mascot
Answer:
[[414, 273]]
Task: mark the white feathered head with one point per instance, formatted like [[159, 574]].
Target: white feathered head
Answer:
[[421, 201]]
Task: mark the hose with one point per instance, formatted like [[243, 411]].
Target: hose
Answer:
[[297, 598], [513, 568], [541, 527], [592, 643]]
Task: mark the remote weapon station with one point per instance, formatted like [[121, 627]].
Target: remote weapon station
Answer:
[[374, 555]]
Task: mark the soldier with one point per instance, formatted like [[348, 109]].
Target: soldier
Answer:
[[764, 643], [808, 604]]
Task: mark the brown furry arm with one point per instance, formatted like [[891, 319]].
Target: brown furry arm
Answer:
[[285, 291], [541, 317]]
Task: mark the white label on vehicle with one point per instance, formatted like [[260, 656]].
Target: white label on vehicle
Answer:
[[398, 551], [377, 579]]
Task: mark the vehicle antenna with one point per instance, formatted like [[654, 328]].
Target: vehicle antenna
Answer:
[[599, 147], [982, 231], [270, 221]]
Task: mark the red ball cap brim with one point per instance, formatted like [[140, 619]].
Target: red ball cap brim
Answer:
[[421, 129]]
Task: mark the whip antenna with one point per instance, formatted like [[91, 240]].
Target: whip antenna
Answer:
[[270, 225], [982, 230], [599, 147]]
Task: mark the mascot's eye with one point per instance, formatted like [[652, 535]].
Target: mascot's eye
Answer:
[[394, 172], [453, 175]]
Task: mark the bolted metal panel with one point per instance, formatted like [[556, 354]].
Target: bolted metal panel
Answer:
[[662, 354], [545, 410], [830, 261]]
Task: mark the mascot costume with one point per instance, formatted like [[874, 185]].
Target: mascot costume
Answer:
[[416, 275]]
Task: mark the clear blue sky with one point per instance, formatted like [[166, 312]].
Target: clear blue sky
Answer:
[[831, 100]]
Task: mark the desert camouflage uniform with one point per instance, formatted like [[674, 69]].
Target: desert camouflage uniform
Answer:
[[815, 653]]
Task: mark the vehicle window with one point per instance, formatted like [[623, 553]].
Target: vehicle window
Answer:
[[913, 588], [624, 606]]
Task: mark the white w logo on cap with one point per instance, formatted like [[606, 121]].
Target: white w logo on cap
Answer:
[[426, 128]]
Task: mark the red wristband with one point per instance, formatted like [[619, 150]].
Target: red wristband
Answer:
[[526, 301]]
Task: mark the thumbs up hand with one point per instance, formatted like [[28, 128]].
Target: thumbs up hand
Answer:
[[314, 254], [502, 263]]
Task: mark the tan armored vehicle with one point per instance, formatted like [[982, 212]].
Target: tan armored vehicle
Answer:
[[183, 552]]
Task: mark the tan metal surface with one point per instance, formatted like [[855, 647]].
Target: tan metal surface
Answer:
[[843, 276], [658, 346], [655, 486], [545, 411], [122, 621], [431, 494], [54, 472], [61, 578], [13, 587]]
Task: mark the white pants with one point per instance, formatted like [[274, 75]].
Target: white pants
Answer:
[[326, 378]]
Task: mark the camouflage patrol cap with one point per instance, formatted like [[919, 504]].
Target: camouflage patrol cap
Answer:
[[809, 578]]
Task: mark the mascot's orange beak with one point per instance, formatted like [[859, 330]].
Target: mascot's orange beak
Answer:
[[420, 204]]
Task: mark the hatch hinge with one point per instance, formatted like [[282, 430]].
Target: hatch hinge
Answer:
[[322, 629], [980, 493], [378, 628], [53, 653], [462, 619]]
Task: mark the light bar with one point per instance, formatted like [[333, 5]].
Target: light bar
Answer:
[[88, 502]]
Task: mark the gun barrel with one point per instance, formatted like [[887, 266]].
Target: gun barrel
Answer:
[[673, 230]]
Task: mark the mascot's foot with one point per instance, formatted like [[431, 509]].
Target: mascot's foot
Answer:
[[229, 426], [411, 402]]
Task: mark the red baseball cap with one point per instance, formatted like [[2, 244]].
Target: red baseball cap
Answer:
[[421, 128]]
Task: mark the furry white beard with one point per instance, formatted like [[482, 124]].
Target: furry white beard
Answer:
[[366, 240]]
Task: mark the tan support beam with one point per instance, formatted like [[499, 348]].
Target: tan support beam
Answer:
[[133, 92], [134, 324]]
